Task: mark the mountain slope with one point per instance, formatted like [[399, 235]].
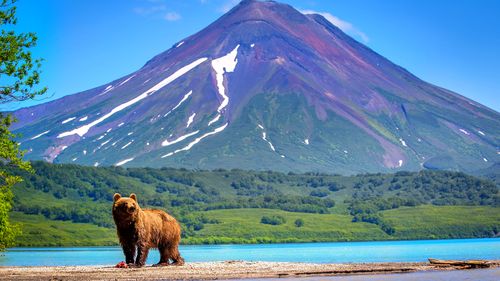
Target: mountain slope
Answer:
[[266, 87]]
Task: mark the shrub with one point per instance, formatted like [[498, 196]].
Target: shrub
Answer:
[[299, 222], [273, 220]]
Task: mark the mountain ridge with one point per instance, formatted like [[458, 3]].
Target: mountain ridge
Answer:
[[335, 91]]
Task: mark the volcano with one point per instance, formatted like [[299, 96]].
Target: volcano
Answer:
[[266, 87]]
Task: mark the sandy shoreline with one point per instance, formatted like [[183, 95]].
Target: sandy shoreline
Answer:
[[213, 271]]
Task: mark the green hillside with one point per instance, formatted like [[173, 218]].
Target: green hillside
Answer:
[[71, 205]]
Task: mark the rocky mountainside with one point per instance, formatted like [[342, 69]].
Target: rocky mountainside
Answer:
[[266, 87]]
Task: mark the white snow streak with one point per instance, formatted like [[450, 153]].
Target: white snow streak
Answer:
[[214, 120], [223, 65], [124, 161], [253, 45], [109, 130], [485, 160], [264, 137], [83, 119], [130, 133], [104, 143], [186, 96], [179, 139], [84, 152], [197, 140], [101, 137], [64, 147], [190, 120], [481, 133], [74, 159], [96, 164], [180, 44], [400, 163], [108, 88], [128, 143], [68, 120], [121, 124], [126, 80], [464, 131], [39, 135], [306, 141], [81, 131], [403, 142]]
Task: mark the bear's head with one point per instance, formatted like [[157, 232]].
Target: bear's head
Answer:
[[125, 208]]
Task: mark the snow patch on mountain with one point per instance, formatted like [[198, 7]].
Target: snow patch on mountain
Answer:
[[190, 120], [108, 88], [179, 139], [83, 119], [128, 143], [126, 80], [306, 141], [221, 66], [214, 120], [264, 137], [186, 96], [68, 120], [403, 142], [105, 142], [39, 135], [197, 140], [124, 162], [81, 131], [464, 131], [481, 133]]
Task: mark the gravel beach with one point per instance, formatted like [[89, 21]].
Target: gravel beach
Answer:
[[214, 271]]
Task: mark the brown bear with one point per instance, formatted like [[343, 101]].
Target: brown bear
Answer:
[[139, 230]]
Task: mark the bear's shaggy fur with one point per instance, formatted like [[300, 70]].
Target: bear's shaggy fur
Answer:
[[139, 230]]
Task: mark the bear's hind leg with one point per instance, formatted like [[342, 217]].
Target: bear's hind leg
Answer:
[[176, 256], [164, 256]]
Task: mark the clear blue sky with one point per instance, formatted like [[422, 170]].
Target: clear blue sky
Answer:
[[86, 43]]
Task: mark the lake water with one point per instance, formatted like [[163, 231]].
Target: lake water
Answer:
[[335, 252]]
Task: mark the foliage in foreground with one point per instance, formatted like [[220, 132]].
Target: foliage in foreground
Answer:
[[19, 76]]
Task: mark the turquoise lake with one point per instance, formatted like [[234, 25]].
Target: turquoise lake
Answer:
[[335, 252]]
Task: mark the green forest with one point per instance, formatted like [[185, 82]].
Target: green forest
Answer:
[[67, 205]]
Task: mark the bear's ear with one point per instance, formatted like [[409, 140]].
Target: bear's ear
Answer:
[[116, 196], [133, 196]]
